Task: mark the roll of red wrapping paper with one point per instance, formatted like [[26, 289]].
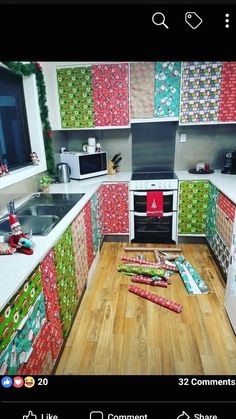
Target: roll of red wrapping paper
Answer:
[[171, 305], [139, 261], [144, 280], [168, 267]]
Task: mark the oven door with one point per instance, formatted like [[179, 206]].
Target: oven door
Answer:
[[138, 200], [145, 229]]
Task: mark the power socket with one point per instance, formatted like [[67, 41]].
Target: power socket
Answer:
[[183, 138]]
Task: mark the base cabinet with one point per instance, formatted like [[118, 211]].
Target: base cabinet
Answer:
[[115, 208], [193, 201]]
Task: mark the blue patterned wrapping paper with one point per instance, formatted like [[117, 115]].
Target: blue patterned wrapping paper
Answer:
[[167, 89]]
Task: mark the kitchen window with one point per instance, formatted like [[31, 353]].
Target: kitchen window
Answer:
[[15, 147], [20, 127]]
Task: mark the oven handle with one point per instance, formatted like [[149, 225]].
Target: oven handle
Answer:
[[145, 193], [144, 214]]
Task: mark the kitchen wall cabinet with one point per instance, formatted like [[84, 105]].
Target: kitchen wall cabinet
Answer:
[[142, 89], [115, 208], [193, 199], [167, 89], [200, 92], [94, 96], [227, 107], [66, 281]]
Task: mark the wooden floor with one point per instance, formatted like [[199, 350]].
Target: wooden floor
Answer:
[[116, 332]]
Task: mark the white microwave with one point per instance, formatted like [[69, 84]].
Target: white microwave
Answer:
[[85, 165]]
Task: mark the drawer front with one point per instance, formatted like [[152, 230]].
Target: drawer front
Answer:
[[227, 206]]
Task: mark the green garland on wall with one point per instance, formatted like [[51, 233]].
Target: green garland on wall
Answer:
[[27, 70]]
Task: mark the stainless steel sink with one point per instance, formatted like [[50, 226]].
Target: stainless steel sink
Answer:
[[40, 213], [40, 225], [42, 209]]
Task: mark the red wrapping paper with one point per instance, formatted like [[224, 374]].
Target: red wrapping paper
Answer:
[[128, 259], [171, 305], [154, 204], [144, 280]]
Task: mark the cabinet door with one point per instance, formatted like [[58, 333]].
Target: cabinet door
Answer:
[[17, 353], [89, 232], [18, 307], [96, 220], [115, 208], [200, 92], [48, 269], [224, 227], [80, 250], [227, 108], [211, 213], [230, 295], [167, 89], [142, 78], [66, 282], [193, 198]]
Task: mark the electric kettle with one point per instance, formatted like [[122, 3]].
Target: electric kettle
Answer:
[[63, 172]]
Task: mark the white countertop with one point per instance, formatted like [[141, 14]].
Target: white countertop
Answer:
[[15, 269], [225, 183]]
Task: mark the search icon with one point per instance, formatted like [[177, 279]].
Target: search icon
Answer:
[[159, 19]]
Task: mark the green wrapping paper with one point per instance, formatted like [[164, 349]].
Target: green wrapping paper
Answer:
[[138, 270], [191, 279]]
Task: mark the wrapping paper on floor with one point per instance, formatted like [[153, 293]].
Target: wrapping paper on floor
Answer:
[[162, 256], [138, 270], [189, 281], [197, 278], [164, 302], [149, 281], [135, 261]]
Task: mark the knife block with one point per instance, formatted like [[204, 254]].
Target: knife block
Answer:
[[111, 171]]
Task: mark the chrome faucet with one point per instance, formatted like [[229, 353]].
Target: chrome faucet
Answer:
[[11, 207]]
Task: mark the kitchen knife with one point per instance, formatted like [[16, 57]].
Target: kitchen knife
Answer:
[[116, 162], [115, 157]]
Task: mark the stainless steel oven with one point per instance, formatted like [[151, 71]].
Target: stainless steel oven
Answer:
[[153, 229]]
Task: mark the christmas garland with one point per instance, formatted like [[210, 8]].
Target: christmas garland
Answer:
[[28, 70]]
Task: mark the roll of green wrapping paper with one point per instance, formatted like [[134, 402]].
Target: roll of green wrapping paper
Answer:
[[138, 270]]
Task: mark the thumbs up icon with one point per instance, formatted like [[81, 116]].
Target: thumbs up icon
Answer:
[[183, 415], [30, 415]]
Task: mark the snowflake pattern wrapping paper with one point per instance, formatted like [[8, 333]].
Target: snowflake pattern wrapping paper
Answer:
[[75, 97], [142, 80], [167, 89], [200, 92]]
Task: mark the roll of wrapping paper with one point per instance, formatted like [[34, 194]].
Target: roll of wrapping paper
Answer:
[[137, 261], [149, 281], [138, 270], [197, 278], [171, 305]]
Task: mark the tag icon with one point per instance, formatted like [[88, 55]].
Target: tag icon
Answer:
[[193, 20]]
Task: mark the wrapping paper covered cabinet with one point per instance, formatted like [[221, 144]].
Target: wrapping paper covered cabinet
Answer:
[[115, 208], [96, 212], [66, 279], [193, 203]]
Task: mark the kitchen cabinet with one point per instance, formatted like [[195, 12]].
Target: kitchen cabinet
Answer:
[[193, 200], [115, 208], [18, 351], [94, 96], [89, 233], [167, 89], [200, 92], [142, 89], [213, 193], [66, 281], [96, 220], [50, 290], [80, 249], [230, 295], [227, 107], [18, 307]]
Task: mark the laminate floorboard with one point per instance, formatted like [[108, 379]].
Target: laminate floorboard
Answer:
[[116, 332]]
